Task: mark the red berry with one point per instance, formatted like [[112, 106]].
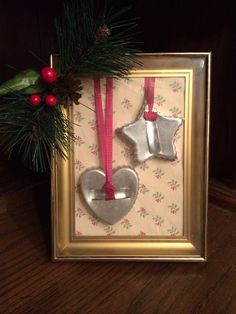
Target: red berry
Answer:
[[48, 75], [35, 100], [50, 100]]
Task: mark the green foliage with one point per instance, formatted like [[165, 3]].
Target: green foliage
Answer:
[[20, 81], [33, 132], [89, 42], [95, 41]]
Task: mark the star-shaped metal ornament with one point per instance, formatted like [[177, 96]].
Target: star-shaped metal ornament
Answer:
[[153, 138]]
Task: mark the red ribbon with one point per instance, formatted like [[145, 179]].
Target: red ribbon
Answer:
[[149, 87], [105, 133]]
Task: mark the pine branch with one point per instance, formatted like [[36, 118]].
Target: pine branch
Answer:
[[90, 41], [32, 133], [95, 42]]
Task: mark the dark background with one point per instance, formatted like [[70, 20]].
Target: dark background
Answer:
[[168, 26], [29, 281]]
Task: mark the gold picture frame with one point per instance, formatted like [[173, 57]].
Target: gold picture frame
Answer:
[[194, 68]]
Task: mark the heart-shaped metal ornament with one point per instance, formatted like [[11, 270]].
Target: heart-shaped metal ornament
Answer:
[[126, 183]]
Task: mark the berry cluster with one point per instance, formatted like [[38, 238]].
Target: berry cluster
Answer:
[[48, 75]]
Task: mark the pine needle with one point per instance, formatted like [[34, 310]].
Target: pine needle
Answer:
[[81, 51], [91, 40]]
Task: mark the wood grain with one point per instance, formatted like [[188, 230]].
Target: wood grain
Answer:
[[222, 194], [31, 283]]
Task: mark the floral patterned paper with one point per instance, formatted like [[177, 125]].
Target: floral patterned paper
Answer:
[[158, 210]]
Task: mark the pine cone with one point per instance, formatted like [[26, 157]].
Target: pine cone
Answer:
[[69, 88], [102, 33]]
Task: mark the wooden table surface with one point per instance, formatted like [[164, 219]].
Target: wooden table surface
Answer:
[[31, 283]]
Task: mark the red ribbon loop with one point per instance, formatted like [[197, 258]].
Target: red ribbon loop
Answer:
[[150, 115], [105, 133], [109, 189], [149, 87]]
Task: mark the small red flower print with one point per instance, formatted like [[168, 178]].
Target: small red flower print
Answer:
[[176, 138], [78, 116], [158, 220], [143, 189], [94, 220], [158, 173], [94, 149], [173, 231], [142, 233], [175, 112], [126, 104], [143, 166], [159, 100], [79, 212], [92, 100], [127, 152], [175, 163], [173, 184], [176, 87], [78, 233], [158, 197], [78, 140], [78, 165], [126, 223], [142, 212], [109, 230], [93, 124], [173, 208]]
